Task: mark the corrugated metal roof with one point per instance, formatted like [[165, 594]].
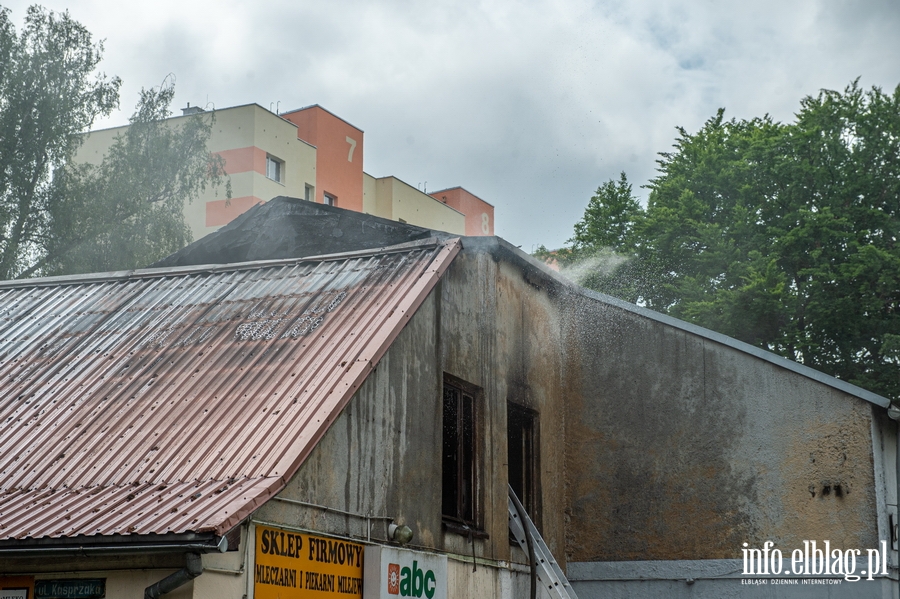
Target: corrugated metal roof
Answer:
[[180, 401]]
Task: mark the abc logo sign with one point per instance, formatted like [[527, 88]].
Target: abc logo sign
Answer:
[[410, 582]]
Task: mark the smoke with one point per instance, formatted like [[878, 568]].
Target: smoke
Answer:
[[602, 264]]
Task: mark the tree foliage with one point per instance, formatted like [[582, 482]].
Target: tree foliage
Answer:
[[48, 93], [128, 211], [781, 235], [58, 216]]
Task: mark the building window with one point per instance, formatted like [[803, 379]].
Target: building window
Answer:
[[274, 169], [309, 193], [522, 454], [330, 200], [460, 453]]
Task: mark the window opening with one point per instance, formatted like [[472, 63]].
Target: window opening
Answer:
[[274, 169], [522, 449], [459, 494], [330, 200]]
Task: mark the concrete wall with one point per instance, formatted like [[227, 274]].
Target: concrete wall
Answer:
[[497, 581], [120, 583], [503, 335], [227, 575], [682, 448], [400, 201], [412, 206], [389, 197], [371, 205], [712, 579], [127, 574], [381, 455], [244, 136], [656, 443]]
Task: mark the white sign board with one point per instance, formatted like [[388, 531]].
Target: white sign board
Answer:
[[394, 573], [13, 593]]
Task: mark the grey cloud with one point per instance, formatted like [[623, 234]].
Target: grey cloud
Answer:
[[530, 105]]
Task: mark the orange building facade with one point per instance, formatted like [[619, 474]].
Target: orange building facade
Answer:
[[339, 155], [479, 214]]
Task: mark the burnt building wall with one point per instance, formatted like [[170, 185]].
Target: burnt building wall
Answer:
[[656, 442], [381, 455], [484, 324], [680, 447], [502, 332]]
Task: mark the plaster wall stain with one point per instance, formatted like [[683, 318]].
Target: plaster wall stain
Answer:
[[830, 482], [502, 333], [651, 443]]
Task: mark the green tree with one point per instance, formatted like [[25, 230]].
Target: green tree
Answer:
[[58, 216], [602, 252], [128, 211], [48, 93], [781, 235], [610, 219]]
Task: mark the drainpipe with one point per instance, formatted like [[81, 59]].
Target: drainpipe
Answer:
[[894, 414], [192, 569]]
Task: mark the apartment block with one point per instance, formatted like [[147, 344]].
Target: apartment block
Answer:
[[308, 153]]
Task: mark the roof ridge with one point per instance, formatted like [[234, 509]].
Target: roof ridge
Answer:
[[166, 271]]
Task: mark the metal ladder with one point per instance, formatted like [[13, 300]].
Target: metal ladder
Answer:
[[549, 573]]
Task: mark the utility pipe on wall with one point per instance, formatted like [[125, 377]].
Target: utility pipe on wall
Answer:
[[894, 414], [192, 569]]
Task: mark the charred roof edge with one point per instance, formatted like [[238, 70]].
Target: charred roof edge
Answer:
[[493, 244]]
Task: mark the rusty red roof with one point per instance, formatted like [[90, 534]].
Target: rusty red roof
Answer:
[[178, 401]]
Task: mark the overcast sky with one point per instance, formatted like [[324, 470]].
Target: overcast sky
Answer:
[[529, 105]]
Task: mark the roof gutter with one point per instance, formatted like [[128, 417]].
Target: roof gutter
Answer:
[[192, 569], [219, 545]]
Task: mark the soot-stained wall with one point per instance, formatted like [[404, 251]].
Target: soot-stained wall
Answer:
[[502, 333], [655, 442], [679, 447], [485, 324]]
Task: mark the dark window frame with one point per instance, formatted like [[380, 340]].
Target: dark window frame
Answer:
[[524, 457], [461, 464]]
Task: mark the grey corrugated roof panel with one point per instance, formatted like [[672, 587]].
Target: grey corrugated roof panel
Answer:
[[177, 401], [539, 267]]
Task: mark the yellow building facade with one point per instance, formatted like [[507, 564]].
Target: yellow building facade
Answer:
[[389, 197], [308, 153]]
